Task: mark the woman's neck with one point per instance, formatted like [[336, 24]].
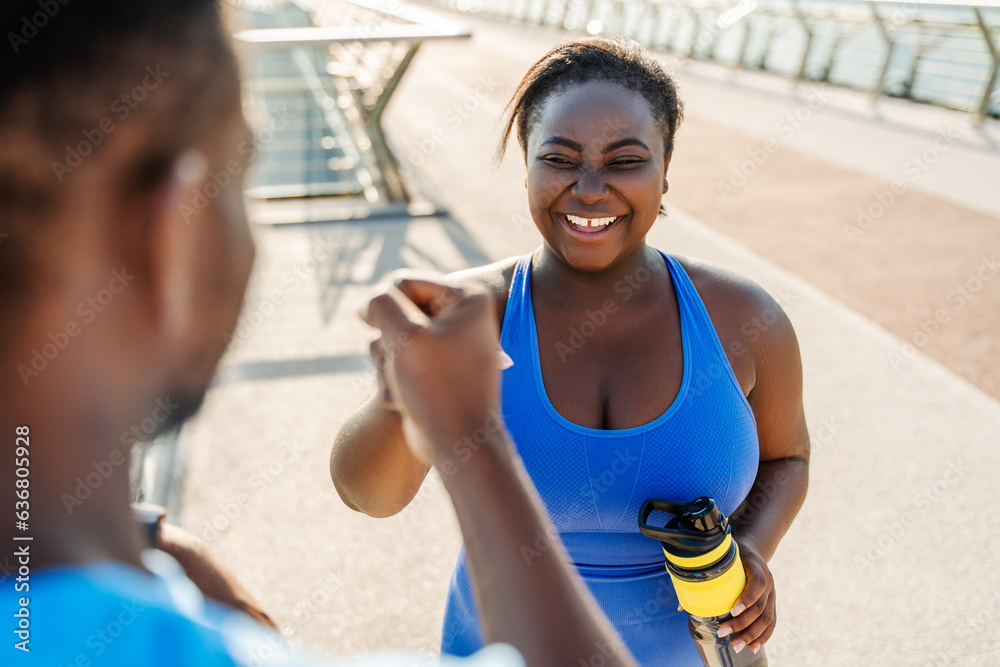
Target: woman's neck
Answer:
[[637, 275]]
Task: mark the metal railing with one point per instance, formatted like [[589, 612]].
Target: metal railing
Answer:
[[944, 52], [319, 76], [318, 93]]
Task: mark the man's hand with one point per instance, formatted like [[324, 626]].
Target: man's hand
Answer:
[[208, 573], [436, 360]]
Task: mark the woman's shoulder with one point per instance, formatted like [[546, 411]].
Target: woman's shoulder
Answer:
[[740, 309], [495, 278], [717, 284]]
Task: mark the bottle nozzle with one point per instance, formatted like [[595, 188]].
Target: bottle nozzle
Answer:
[[697, 526], [702, 514]]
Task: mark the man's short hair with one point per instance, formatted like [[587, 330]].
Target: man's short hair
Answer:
[[72, 72]]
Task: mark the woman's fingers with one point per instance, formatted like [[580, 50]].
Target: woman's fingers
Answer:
[[753, 603], [760, 630], [758, 580]]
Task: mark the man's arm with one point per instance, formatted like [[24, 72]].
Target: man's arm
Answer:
[[208, 573], [445, 384], [371, 465]]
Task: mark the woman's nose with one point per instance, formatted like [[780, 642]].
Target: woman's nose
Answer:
[[590, 187]]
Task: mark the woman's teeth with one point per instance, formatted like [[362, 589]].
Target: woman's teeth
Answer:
[[590, 222]]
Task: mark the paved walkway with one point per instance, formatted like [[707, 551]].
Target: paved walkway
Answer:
[[892, 560]]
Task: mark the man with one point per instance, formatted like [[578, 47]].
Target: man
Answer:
[[118, 284]]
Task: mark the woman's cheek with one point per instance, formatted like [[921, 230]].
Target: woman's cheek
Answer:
[[543, 191]]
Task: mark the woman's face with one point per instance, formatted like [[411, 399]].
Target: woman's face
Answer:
[[596, 173]]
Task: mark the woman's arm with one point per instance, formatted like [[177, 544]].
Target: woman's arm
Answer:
[[782, 478], [372, 467]]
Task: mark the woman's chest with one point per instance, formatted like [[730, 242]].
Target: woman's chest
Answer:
[[611, 368], [592, 480]]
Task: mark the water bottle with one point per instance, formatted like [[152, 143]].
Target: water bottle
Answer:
[[703, 561]]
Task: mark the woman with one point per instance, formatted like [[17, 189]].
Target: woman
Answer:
[[635, 374]]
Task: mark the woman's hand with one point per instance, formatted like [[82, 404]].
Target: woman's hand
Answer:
[[754, 610]]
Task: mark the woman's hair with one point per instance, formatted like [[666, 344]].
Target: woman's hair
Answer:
[[574, 61]]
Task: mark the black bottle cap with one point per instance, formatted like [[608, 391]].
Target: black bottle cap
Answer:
[[701, 514], [698, 526]]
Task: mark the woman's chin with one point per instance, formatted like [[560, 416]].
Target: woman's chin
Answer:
[[589, 259]]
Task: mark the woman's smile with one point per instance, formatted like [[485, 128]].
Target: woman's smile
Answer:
[[591, 227]]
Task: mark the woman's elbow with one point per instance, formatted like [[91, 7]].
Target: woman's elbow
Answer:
[[375, 503]]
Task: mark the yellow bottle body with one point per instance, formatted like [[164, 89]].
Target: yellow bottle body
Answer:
[[716, 596]]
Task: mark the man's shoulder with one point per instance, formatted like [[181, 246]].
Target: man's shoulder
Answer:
[[114, 614], [111, 614]]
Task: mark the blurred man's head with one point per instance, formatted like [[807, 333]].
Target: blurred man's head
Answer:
[[122, 261]]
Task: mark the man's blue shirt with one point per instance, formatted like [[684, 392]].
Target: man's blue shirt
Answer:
[[111, 614]]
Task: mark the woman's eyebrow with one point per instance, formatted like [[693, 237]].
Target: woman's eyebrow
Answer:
[[569, 143], [630, 141], [563, 141]]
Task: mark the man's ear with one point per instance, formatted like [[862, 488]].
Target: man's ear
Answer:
[[176, 219]]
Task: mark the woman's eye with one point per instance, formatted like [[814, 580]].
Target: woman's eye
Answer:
[[627, 163], [555, 161]]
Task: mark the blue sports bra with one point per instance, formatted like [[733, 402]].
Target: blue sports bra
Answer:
[[593, 481]]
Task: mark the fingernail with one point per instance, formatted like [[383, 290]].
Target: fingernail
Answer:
[[505, 360], [680, 608], [738, 646], [737, 610], [725, 630], [756, 647]]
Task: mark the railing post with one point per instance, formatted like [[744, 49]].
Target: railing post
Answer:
[[890, 44], [621, 9], [373, 123], [657, 27], [567, 5], [745, 42], [661, 31], [546, 12], [767, 46], [694, 33], [526, 11], [647, 22], [677, 32], [809, 39], [984, 104]]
